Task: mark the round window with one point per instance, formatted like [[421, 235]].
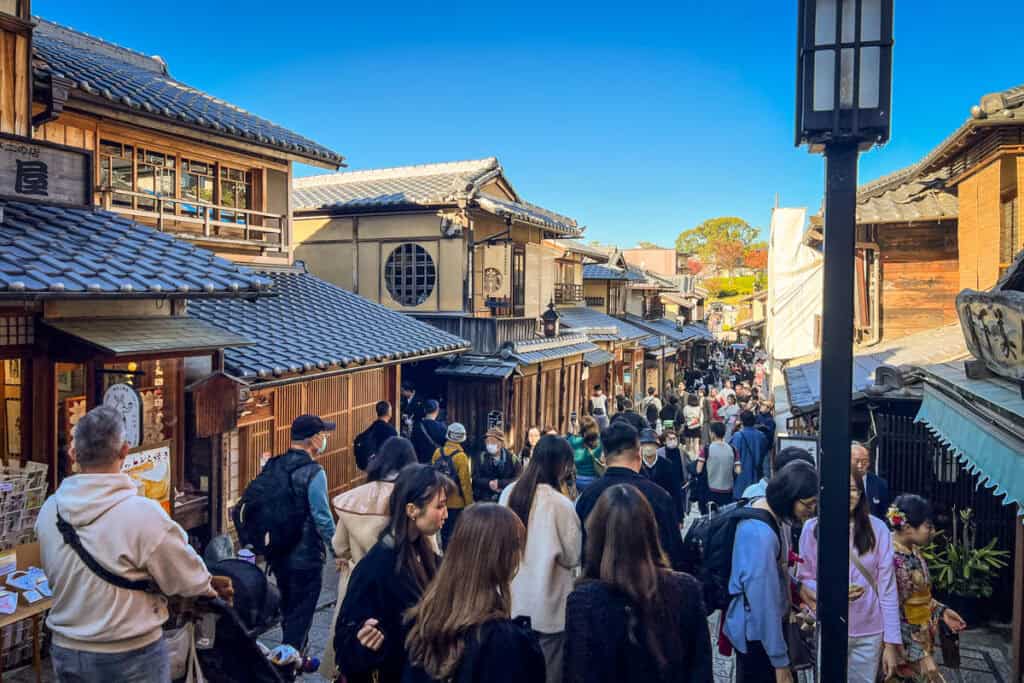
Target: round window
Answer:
[[410, 274]]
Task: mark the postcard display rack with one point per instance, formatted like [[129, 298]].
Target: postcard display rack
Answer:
[[22, 492]]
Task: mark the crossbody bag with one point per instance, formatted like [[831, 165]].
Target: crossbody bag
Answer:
[[71, 538]]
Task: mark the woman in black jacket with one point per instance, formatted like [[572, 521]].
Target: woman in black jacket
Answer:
[[631, 619], [461, 629], [369, 633]]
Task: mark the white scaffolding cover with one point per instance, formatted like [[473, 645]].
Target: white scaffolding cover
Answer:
[[795, 282]]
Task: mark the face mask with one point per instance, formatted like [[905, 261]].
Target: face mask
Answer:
[[671, 443], [492, 448], [323, 446]]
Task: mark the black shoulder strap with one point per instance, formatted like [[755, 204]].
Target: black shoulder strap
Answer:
[[71, 538], [426, 433]]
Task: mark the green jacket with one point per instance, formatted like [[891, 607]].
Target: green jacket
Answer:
[[585, 457]]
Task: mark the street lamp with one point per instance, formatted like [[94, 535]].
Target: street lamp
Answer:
[[844, 92], [550, 321]]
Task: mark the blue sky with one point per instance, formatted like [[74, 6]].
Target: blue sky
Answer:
[[639, 119]]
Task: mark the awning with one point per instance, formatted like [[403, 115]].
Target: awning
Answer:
[[976, 436], [599, 357], [478, 368], [529, 357], [133, 336]]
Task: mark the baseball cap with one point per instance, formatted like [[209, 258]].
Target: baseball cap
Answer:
[[648, 436], [306, 426]]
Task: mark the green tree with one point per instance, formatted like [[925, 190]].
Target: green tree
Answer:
[[644, 244], [714, 240]]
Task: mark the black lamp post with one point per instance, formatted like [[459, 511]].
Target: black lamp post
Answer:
[[550, 321], [844, 90]]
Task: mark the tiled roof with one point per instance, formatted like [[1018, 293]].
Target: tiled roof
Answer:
[[576, 247], [803, 376], [669, 328], [599, 271], [313, 325], [920, 198], [478, 367], [543, 348], [427, 185], [66, 252], [143, 84], [134, 336], [599, 357], [586, 320]]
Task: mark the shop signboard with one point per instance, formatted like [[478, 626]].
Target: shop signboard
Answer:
[[150, 469], [31, 170]]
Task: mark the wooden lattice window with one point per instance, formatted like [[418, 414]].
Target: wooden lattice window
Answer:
[[410, 274], [16, 330]]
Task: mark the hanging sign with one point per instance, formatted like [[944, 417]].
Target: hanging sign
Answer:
[[495, 420], [31, 170], [150, 468], [124, 399], [993, 327]]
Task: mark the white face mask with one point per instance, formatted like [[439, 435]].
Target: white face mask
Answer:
[[492, 448], [671, 443], [323, 446]]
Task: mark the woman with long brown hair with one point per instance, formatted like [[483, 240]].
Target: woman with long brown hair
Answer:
[[462, 630], [391, 577], [874, 620], [631, 618], [554, 540]]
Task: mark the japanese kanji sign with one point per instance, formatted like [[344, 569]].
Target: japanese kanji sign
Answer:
[[42, 171]]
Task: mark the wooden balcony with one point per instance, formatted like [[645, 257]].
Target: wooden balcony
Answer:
[[211, 224], [595, 300], [487, 335], [568, 293]]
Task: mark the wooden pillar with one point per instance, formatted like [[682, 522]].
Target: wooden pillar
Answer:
[[1017, 644]]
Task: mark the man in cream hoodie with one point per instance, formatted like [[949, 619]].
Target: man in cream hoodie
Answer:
[[102, 632]]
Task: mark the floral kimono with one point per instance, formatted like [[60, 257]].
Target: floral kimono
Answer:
[[919, 612]]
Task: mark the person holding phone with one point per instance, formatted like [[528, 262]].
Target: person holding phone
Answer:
[[585, 439]]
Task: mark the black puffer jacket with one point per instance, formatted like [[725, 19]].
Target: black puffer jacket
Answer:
[[310, 552], [505, 467]]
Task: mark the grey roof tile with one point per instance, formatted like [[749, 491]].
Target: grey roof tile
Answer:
[[143, 84], [670, 330], [599, 357], [52, 249], [599, 271], [478, 367], [313, 325], [427, 185], [543, 348], [585, 319]]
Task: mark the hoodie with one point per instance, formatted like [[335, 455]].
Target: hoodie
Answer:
[[129, 535]]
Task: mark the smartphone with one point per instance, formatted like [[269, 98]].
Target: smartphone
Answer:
[[572, 416]]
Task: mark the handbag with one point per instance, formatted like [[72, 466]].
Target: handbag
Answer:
[[801, 651], [181, 650], [949, 643]]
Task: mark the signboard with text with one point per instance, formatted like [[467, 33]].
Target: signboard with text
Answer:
[[32, 170]]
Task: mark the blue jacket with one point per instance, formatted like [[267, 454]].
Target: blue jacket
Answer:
[[757, 611], [752, 446]]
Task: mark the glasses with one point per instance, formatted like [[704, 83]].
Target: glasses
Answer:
[[809, 503]]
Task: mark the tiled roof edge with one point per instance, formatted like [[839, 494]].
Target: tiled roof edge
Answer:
[[396, 172]]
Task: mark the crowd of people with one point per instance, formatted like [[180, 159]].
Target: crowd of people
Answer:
[[571, 559]]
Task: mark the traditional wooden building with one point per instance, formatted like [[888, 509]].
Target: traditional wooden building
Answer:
[[195, 170], [454, 245], [604, 289]]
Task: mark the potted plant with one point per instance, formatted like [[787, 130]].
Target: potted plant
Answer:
[[962, 573]]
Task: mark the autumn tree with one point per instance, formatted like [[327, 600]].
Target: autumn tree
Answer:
[[694, 266], [644, 244], [756, 258], [717, 241]]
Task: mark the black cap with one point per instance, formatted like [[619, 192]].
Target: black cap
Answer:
[[307, 426], [648, 436], [430, 406]]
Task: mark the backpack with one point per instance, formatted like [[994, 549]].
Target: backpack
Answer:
[[707, 550], [270, 515], [364, 447], [651, 412], [446, 466]]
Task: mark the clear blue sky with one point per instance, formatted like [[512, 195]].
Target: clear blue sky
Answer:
[[638, 120]]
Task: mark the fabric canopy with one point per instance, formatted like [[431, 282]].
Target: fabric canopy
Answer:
[[795, 281], [994, 454]]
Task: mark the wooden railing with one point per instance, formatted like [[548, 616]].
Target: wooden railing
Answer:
[[594, 300], [194, 220], [568, 293]]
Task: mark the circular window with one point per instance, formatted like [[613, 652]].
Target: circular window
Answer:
[[410, 274]]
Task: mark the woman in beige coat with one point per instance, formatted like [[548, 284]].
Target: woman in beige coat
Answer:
[[362, 515]]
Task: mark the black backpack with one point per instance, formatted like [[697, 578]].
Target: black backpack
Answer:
[[364, 447], [707, 549], [271, 514], [445, 464]]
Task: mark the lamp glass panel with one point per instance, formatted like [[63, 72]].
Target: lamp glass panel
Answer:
[[870, 76], [9, 7], [846, 79], [870, 20], [849, 20], [825, 22], [824, 79]]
